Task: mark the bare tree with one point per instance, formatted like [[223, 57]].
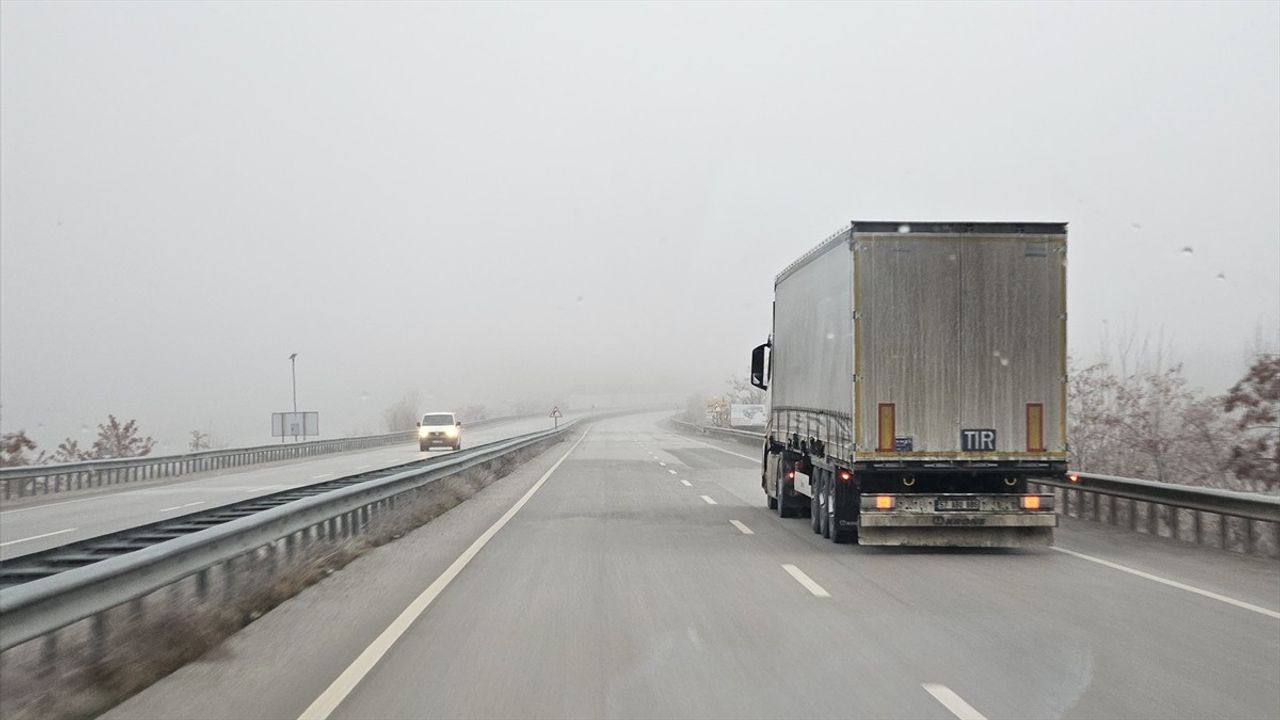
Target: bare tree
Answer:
[[69, 451], [402, 414], [742, 392], [116, 440], [14, 447], [199, 441], [1255, 452]]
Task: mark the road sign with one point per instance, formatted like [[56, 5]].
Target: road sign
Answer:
[[555, 415], [295, 424]]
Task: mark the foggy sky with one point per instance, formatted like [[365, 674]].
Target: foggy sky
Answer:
[[489, 202]]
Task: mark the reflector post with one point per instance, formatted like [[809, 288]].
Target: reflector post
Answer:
[[885, 428], [1035, 427]]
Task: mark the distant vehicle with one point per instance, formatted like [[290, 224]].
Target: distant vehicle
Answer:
[[916, 378], [440, 429]]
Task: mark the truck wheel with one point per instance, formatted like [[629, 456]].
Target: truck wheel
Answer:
[[786, 500], [815, 505], [457, 446], [771, 501], [825, 521], [422, 447]]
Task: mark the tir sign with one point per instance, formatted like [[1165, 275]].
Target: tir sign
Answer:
[[978, 440]]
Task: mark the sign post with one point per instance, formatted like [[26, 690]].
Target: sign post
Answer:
[[555, 417]]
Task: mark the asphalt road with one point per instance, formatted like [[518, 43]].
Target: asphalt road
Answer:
[[31, 528], [643, 578]]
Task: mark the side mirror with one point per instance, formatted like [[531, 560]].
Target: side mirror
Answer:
[[459, 423], [418, 424], [758, 373]]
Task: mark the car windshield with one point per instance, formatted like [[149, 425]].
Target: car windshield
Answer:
[[441, 419]]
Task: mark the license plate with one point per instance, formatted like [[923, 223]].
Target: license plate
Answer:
[[945, 504]]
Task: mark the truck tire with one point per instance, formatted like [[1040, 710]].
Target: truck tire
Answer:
[[786, 500], [423, 447], [824, 522], [457, 446], [771, 501]]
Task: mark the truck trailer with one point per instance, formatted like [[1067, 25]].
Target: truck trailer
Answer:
[[916, 380]]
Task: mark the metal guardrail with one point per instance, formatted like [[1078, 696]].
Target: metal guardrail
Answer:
[[28, 480], [1163, 504], [43, 606]]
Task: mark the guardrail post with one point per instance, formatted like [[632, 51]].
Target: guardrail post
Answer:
[[1175, 522], [1153, 520], [98, 642], [1248, 536], [1199, 526], [1097, 507]]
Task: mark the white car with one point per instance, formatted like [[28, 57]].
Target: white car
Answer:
[[439, 429]]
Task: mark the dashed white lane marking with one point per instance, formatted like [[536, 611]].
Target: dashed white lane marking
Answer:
[[743, 528], [179, 507], [662, 464], [1174, 584], [686, 483], [36, 537], [806, 581], [953, 702], [673, 472], [727, 452], [707, 499], [321, 475], [338, 690]]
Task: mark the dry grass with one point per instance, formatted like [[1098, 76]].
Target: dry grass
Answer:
[[151, 637]]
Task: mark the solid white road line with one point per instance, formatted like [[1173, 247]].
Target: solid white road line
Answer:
[[708, 500], [179, 507], [673, 472], [321, 475], [686, 483], [727, 452], [49, 505], [745, 530], [36, 537], [338, 690], [1174, 583], [806, 581], [953, 702]]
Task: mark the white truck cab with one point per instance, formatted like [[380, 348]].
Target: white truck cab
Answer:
[[439, 429]]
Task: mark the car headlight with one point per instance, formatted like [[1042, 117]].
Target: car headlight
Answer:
[[422, 432], [451, 431]]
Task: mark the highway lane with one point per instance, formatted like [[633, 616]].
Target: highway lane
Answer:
[[30, 528], [618, 590]]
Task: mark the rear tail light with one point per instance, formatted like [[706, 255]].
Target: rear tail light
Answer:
[[791, 474], [845, 475], [884, 502], [1036, 502], [1073, 477]]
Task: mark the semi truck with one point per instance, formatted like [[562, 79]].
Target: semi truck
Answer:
[[916, 383]]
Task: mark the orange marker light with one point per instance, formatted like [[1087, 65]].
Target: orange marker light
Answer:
[[845, 475], [1073, 477], [1030, 502], [884, 502]]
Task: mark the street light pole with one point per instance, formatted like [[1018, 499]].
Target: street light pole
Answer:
[[293, 367]]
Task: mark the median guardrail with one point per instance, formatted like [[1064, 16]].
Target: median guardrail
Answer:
[[28, 480], [1235, 521], [41, 607]]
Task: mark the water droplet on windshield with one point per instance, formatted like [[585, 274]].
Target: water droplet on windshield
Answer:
[[1004, 362], [1222, 277], [831, 336], [904, 229], [1136, 226], [995, 354], [952, 257], [1187, 251]]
